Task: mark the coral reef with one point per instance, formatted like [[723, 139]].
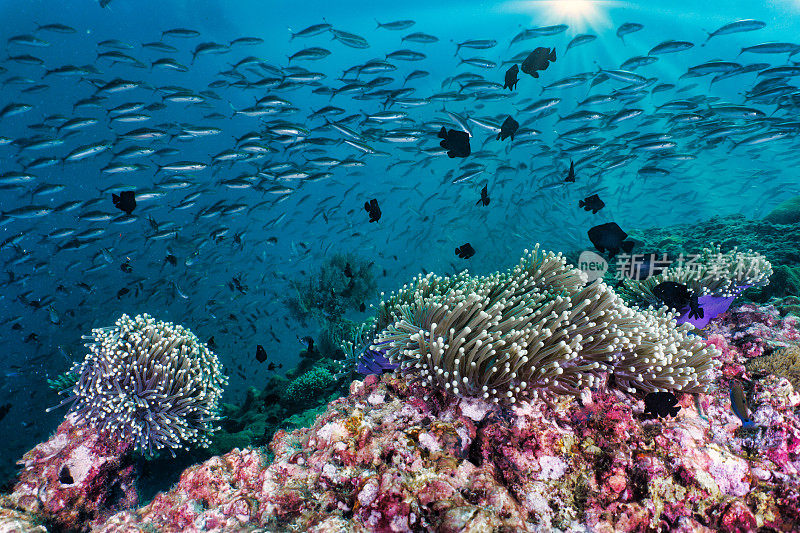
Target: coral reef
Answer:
[[343, 283], [151, 383], [76, 478], [715, 278], [778, 243], [786, 213], [13, 520], [757, 330], [781, 362], [395, 455], [784, 281], [309, 386], [539, 327], [401, 454]]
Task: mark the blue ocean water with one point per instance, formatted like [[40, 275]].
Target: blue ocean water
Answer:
[[248, 230]]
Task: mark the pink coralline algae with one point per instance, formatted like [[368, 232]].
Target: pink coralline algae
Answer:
[[395, 456], [74, 479], [756, 329]]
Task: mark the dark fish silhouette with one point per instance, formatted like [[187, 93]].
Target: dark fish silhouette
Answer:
[[592, 203], [261, 354], [4, 409], [362, 307], [126, 267], [673, 294], [661, 404], [455, 141], [537, 60], [695, 311], [571, 174], [272, 366], [122, 292], [508, 129], [211, 344], [511, 78], [348, 271], [374, 211], [124, 201], [484, 197], [465, 251], [171, 259], [610, 238]]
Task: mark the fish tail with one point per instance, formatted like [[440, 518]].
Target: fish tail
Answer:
[[379, 24]]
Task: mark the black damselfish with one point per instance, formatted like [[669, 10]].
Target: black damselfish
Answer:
[[610, 238], [592, 203], [484, 200], [678, 296], [511, 78], [537, 60], [261, 354], [661, 404], [374, 211], [124, 201], [508, 129], [465, 251], [455, 141]]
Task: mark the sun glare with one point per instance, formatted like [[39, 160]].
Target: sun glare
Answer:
[[580, 15]]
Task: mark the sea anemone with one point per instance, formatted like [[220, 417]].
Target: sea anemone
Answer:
[[537, 328], [150, 383], [716, 278]]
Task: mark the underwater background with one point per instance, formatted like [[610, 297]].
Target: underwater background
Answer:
[[250, 226]]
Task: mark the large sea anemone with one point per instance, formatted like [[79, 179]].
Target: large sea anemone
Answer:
[[150, 383], [536, 329]]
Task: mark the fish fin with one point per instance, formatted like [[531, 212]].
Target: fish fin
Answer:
[[553, 55]]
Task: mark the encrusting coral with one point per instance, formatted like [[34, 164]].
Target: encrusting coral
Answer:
[[539, 327]]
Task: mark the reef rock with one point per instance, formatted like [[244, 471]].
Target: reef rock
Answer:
[[396, 456], [74, 479], [787, 212]]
